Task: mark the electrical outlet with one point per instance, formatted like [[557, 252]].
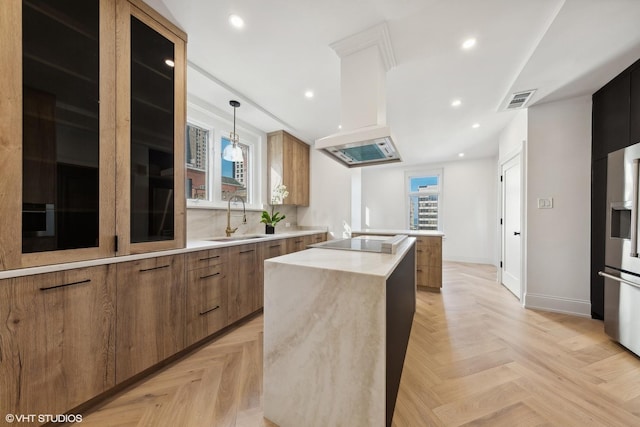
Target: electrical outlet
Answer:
[[545, 203], [287, 224]]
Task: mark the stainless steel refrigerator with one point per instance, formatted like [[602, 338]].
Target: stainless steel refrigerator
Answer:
[[622, 261]]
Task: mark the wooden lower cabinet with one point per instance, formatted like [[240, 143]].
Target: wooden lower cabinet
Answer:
[[265, 251], [57, 339], [429, 263], [207, 294], [244, 292], [151, 313], [69, 336]]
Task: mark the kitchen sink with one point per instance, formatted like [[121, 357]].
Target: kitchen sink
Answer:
[[236, 238]]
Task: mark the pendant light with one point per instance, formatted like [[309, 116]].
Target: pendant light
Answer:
[[233, 152]]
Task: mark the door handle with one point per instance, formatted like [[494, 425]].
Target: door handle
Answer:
[[516, 233]]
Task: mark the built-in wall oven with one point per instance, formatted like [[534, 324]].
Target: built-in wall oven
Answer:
[[622, 261]]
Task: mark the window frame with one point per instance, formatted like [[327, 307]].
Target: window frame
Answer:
[[210, 133], [219, 127], [408, 194]]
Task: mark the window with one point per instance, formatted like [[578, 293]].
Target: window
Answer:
[[425, 199], [197, 157], [211, 180], [235, 175]]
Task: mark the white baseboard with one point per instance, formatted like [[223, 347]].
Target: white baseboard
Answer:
[[558, 304]]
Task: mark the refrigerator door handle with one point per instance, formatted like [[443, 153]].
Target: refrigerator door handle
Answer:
[[618, 279], [634, 210]]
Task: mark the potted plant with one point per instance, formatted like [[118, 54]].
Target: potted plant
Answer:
[[277, 197]]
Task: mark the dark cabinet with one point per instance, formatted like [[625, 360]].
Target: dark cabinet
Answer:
[[615, 125], [610, 129], [634, 115], [598, 234]]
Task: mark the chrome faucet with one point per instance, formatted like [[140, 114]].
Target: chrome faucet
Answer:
[[230, 230]]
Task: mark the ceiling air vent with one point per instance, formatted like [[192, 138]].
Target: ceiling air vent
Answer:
[[519, 100]]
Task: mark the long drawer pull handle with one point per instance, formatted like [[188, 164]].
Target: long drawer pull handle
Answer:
[[274, 246], [246, 252], [210, 310], [618, 279], [65, 285], [210, 257], [155, 268], [210, 275]]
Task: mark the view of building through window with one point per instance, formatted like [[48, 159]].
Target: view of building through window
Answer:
[[424, 198], [197, 155], [235, 175]]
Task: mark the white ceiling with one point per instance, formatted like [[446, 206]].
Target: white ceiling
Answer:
[[562, 48]]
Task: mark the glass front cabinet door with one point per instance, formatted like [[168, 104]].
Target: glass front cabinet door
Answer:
[[90, 162], [150, 133]]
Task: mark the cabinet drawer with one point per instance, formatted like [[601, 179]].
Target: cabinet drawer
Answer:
[[272, 249], [428, 251], [317, 238], [206, 302], [207, 258], [429, 276]]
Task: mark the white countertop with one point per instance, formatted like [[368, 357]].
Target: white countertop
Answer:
[[367, 263], [192, 246], [384, 231]]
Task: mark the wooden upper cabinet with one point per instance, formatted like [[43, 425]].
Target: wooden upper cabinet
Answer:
[[88, 119], [288, 163], [150, 128]]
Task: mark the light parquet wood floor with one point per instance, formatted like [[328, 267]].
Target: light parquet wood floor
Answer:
[[475, 358]]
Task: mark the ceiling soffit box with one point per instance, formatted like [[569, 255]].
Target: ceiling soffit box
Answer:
[[365, 138]]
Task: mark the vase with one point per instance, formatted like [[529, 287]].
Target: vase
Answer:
[[269, 229]]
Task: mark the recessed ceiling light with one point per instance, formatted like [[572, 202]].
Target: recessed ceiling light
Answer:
[[456, 103], [460, 154], [308, 94], [170, 63], [475, 125], [469, 43], [339, 126], [236, 21]]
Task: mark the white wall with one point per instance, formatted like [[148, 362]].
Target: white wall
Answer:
[[469, 212], [511, 139], [330, 198], [559, 166]]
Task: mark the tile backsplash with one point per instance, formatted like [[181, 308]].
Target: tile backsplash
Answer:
[[207, 223]]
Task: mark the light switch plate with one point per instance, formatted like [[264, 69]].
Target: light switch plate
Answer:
[[545, 203]]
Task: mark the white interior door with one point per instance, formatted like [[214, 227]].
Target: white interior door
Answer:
[[511, 226]]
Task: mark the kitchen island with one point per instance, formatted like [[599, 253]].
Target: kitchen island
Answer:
[[336, 328], [428, 256]]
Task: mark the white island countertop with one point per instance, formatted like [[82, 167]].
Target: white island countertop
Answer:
[[367, 263]]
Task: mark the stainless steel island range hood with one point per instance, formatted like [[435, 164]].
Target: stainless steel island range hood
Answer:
[[365, 138]]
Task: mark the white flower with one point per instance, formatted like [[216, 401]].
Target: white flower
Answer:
[[279, 194]]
